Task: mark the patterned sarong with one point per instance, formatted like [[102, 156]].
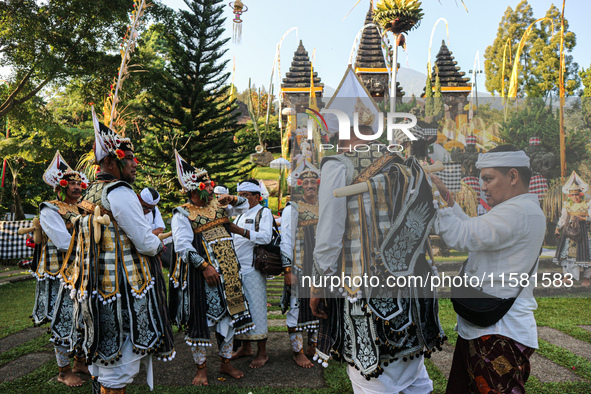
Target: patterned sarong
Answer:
[[489, 364]]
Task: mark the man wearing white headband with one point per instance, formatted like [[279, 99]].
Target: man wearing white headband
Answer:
[[257, 223], [502, 244], [149, 198], [220, 189]]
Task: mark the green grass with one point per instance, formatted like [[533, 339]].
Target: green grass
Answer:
[[14, 315], [564, 314]]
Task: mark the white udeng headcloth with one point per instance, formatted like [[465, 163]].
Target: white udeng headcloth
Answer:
[[148, 198], [248, 187], [502, 159]]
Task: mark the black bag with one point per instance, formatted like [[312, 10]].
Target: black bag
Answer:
[[267, 258], [478, 307]]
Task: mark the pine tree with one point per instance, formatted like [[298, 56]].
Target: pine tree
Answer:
[[545, 56], [190, 107], [428, 97], [511, 28]]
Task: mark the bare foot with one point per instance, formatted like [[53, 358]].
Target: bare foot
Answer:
[[310, 351], [242, 352], [200, 378], [260, 360], [302, 360], [585, 283], [70, 379], [80, 367], [228, 369]]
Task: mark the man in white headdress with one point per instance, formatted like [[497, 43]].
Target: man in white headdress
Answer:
[[504, 243], [257, 223], [149, 198], [52, 301]]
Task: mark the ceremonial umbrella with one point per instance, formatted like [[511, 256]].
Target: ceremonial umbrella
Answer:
[[449, 145], [280, 164]]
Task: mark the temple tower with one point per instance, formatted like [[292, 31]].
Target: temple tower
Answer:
[[295, 89]]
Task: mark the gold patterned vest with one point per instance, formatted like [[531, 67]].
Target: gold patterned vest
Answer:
[[51, 259]]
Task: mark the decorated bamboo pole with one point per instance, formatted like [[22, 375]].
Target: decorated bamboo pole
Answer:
[[561, 96]]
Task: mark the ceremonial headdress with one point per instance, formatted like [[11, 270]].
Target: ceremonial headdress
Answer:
[[248, 186], [221, 190], [306, 170], [189, 177], [502, 159], [107, 142], [575, 184], [59, 173], [150, 196], [352, 97]]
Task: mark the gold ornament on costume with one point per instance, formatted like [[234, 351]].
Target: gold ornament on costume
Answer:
[[366, 117]]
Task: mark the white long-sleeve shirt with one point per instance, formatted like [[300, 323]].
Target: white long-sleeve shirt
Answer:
[[127, 211], [182, 233], [286, 243], [506, 240], [155, 219], [244, 247], [54, 226]]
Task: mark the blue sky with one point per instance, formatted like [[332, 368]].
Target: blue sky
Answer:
[[321, 27]]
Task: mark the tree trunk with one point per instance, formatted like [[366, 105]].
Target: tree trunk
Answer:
[[18, 207]]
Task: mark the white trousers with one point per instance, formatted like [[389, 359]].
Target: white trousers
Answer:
[[408, 377], [122, 372]]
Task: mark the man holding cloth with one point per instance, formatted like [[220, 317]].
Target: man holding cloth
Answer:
[[505, 241]]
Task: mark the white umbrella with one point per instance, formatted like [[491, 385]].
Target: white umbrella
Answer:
[[280, 163]]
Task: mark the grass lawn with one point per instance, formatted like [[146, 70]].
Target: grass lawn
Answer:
[[564, 314]]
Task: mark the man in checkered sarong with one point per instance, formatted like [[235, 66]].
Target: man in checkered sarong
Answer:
[[117, 282], [206, 292], [52, 301]]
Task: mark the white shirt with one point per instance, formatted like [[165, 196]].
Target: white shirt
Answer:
[[244, 247], [286, 243], [332, 216], [155, 219], [54, 226], [182, 233], [127, 211], [508, 239]]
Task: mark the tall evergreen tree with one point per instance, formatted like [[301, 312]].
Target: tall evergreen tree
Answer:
[[189, 104], [542, 81], [511, 28]]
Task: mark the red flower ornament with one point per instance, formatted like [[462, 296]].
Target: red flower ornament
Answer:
[[318, 181], [83, 186], [136, 160], [201, 185], [299, 182], [212, 184], [120, 154], [63, 183]]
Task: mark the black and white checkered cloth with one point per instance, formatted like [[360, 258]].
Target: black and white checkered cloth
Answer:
[[451, 176], [12, 245]]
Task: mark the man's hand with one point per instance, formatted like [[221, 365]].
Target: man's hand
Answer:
[[233, 228], [445, 194], [288, 278], [314, 303], [225, 199], [211, 276]]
